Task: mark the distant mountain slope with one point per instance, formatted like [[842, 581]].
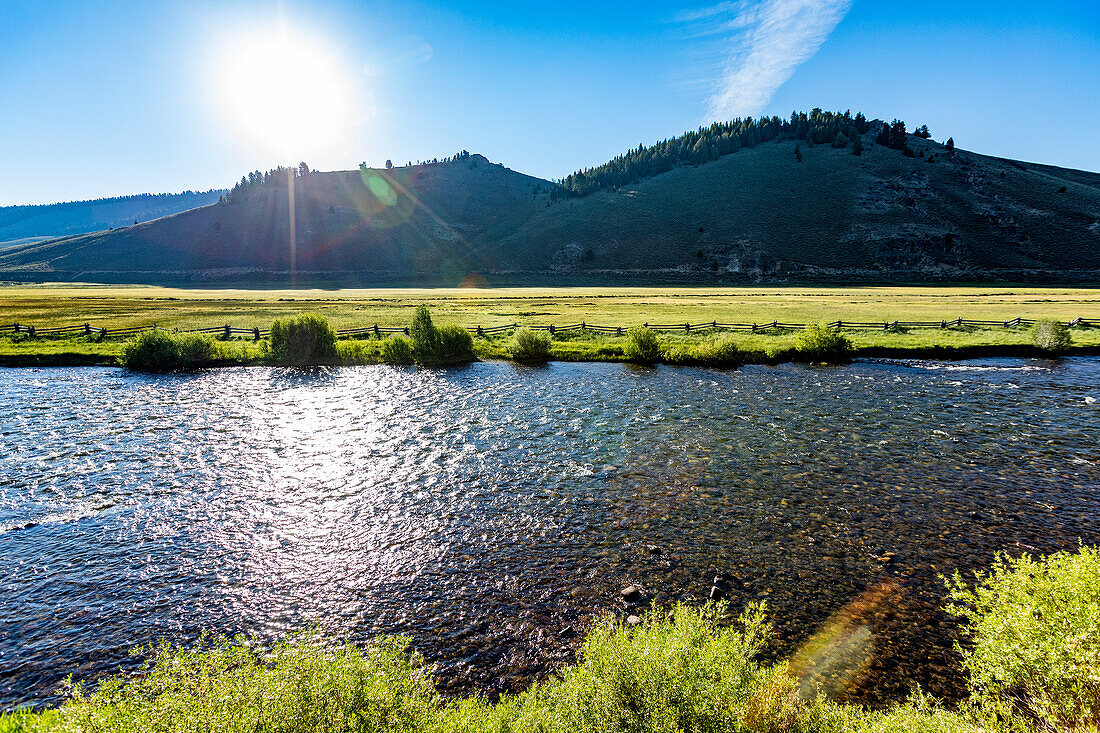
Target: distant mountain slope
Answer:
[[78, 217], [753, 215]]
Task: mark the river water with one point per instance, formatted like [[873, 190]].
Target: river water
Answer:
[[490, 512]]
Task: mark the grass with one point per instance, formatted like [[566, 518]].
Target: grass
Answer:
[[704, 348], [126, 306], [119, 307]]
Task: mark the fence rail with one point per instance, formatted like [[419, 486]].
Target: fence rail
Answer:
[[227, 331]]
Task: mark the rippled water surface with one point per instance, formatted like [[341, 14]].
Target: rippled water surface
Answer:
[[490, 512]]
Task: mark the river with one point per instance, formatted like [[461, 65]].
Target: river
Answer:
[[491, 511]]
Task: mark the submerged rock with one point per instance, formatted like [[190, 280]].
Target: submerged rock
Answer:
[[631, 593]]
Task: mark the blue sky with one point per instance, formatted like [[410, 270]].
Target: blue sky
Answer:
[[106, 97]]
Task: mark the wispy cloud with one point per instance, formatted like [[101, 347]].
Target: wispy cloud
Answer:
[[766, 40]]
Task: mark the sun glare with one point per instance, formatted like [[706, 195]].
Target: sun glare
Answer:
[[284, 93]]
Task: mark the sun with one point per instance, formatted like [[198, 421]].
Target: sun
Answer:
[[284, 92]]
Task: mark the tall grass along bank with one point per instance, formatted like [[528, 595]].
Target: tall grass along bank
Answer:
[[168, 351], [311, 339], [1032, 630]]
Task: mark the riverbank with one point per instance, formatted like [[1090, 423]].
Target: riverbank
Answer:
[[697, 348], [685, 668]]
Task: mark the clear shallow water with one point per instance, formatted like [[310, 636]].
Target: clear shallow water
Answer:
[[491, 511]]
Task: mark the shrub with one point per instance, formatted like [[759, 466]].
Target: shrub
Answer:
[[530, 345], [431, 344], [302, 684], [682, 670], [168, 351], [1052, 336], [716, 350], [642, 345], [398, 350], [304, 339], [1034, 628], [425, 336], [818, 342], [455, 343]]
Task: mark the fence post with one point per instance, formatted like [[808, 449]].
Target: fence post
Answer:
[[256, 333], [30, 331], [582, 325], [619, 331], [227, 332], [87, 329], [406, 330], [714, 324], [480, 332], [376, 333], [754, 328], [16, 327], [687, 327], [551, 329]]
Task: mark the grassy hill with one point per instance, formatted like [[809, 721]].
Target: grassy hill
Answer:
[[18, 223], [753, 215]]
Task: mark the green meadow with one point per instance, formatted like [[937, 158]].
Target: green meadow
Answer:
[[119, 307]]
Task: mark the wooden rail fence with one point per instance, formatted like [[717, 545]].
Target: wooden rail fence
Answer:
[[228, 332]]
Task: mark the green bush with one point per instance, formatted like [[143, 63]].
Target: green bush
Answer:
[[456, 343], [1034, 633], [818, 342], [1052, 336], [304, 339], [302, 684], [680, 670], [716, 350], [1034, 627], [530, 345], [433, 345], [642, 345], [398, 350], [168, 351], [425, 336]]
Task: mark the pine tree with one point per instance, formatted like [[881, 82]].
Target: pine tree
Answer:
[[950, 143], [798, 153]]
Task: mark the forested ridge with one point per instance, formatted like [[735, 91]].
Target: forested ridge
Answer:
[[725, 138]]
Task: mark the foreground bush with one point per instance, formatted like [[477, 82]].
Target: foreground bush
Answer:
[[1052, 336], [530, 345], [642, 345], [818, 342], [169, 351], [1034, 628], [303, 339], [449, 344], [681, 671]]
